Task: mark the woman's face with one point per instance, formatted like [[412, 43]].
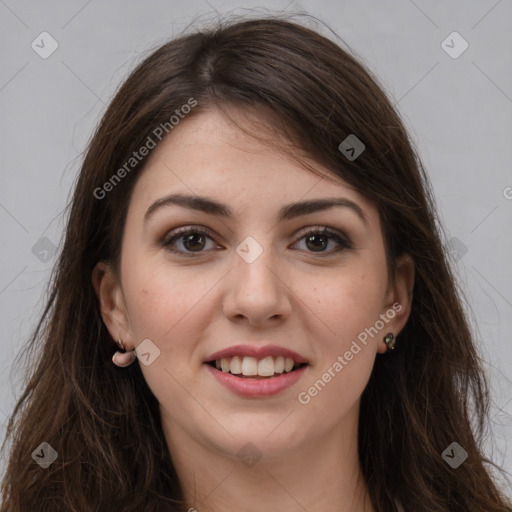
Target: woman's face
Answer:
[[255, 278]]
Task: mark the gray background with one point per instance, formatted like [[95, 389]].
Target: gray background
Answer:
[[458, 111]]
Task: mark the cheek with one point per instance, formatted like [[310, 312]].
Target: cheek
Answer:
[[167, 305], [160, 304], [170, 310], [347, 302], [344, 352], [349, 306]]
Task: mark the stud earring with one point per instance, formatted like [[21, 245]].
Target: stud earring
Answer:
[[123, 359], [389, 341]]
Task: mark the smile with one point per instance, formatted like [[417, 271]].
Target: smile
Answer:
[[247, 366], [257, 386]]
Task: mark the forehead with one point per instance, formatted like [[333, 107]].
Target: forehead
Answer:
[[208, 154]]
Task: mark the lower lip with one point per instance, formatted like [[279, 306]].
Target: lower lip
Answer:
[[257, 388]]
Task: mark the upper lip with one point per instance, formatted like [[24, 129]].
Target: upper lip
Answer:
[[257, 352]]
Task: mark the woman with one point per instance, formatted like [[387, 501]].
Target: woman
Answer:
[[201, 350]]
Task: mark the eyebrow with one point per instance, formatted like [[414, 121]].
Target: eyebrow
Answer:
[[287, 212]]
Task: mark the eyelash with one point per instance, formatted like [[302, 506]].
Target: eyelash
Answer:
[[189, 230]]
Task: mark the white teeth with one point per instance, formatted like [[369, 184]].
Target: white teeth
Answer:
[[235, 366], [224, 364], [266, 367], [250, 366], [279, 364]]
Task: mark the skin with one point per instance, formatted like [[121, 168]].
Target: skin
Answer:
[[294, 295]]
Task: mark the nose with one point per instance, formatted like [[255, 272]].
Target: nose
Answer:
[[257, 290]]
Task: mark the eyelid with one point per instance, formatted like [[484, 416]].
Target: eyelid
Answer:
[[183, 230], [327, 231], [320, 230]]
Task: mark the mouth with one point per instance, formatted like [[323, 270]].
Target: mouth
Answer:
[[247, 367]]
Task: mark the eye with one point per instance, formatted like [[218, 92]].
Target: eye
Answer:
[[192, 238], [318, 239]]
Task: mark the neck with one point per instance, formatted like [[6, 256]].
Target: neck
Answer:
[[323, 476]]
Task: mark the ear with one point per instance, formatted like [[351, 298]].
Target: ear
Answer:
[[398, 300], [112, 305]]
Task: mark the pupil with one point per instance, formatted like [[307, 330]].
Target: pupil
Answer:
[[322, 245], [191, 237]]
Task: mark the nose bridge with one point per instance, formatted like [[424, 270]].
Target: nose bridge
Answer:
[[255, 261], [256, 289]]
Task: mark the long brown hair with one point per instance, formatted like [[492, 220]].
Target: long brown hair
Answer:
[[104, 422]]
